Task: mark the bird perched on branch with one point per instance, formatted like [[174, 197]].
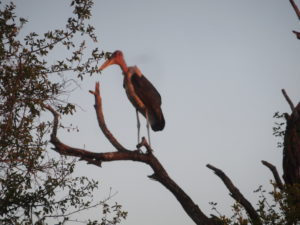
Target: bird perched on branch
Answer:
[[141, 93]]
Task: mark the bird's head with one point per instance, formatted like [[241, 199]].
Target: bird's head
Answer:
[[115, 58]]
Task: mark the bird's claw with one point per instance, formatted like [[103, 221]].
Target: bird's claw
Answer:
[[145, 144]]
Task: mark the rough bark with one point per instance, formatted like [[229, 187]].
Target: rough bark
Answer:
[[291, 159], [291, 149]]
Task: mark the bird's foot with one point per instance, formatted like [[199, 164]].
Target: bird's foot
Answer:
[[138, 150], [146, 145]]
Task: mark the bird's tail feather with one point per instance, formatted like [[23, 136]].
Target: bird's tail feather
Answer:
[[157, 120]]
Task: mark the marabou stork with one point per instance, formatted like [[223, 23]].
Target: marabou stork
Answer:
[[141, 93]]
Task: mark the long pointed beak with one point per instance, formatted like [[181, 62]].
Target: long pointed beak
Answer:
[[107, 63]]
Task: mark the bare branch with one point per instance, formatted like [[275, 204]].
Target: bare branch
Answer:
[[101, 121], [287, 98], [160, 174], [297, 34], [275, 173], [237, 195], [296, 9]]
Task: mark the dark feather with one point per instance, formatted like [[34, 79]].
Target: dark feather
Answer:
[[145, 90], [152, 100]]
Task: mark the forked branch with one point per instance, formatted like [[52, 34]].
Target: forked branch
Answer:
[[160, 174], [297, 11]]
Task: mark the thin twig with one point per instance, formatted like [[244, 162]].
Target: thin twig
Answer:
[[297, 34]]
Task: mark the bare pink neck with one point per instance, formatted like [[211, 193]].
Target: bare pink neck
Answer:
[[123, 65]]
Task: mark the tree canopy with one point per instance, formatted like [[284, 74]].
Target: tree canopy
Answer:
[[37, 188]]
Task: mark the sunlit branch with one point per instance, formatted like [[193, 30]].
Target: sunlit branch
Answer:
[[101, 121], [160, 174]]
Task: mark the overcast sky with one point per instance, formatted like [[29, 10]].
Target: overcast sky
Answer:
[[219, 66]]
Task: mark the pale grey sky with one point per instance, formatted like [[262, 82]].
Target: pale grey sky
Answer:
[[219, 66]]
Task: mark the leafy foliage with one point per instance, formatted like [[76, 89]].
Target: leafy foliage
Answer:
[[277, 207], [281, 206], [35, 188], [278, 129]]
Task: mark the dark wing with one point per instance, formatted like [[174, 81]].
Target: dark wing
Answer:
[[152, 100], [146, 91]]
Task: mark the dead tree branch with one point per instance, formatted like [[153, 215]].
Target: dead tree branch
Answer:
[[237, 195], [287, 98], [297, 11], [297, 34], [101, 121], [291, 104], [275, 173], [160, 174]]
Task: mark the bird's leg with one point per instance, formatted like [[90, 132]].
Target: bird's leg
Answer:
[[138, 126], [148, 130]]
